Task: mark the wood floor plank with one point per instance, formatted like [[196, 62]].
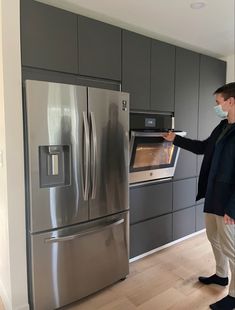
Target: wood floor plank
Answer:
[[200, 299], [163, 300]]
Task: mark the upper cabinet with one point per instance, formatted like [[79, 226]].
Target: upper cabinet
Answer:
[[186, 91], [162, 76], [186, 106], [48, 37], [99, 49], [136, 69], [212, 76], [158, 76]]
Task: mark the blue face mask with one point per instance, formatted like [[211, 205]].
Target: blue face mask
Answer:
[[220, 112]]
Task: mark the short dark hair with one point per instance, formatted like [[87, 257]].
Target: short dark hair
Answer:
[[226, 91]]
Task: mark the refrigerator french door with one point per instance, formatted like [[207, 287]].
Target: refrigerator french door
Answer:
[[76, 150]]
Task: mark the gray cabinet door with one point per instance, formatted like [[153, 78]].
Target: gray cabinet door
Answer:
[[136, 69], [58, 77], [186, 107], [162, 76], [183, 223], [99, 49], [200, 217], [184, 193], [48, 37], [150, 201], [150, 234], [212, 76]]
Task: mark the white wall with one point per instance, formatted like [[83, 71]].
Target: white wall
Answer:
[[5, 287], [230, 77], [13, 276]]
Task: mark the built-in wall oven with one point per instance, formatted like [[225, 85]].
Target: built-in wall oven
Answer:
[[151, 156]]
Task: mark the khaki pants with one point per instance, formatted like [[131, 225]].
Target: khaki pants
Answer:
[[222, 239]]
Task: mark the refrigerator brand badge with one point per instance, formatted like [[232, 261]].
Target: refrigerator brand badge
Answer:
[[124, 105]]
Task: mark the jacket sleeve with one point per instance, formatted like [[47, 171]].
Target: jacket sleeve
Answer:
[[197, 146], [194, 146]]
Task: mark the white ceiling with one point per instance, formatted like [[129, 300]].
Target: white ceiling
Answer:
[[209, 30]]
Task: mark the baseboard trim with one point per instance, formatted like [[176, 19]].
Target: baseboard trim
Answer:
[[165, 246]]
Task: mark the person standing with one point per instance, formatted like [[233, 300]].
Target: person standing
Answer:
[[217, 185]]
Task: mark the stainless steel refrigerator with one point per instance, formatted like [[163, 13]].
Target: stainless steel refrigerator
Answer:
[[76, 150]]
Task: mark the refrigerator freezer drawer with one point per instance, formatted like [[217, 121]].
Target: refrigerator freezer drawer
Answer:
[[71, 263]]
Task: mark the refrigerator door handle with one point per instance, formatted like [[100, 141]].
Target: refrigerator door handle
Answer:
[[85, 233], [94, 172], [86, 150]]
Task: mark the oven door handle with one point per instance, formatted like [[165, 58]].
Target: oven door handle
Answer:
[[155, 134], [147, 134]]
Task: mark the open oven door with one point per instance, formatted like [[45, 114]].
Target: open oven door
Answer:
[[151, 156]]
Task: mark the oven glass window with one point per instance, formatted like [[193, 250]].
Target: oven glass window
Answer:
[[152, 153]]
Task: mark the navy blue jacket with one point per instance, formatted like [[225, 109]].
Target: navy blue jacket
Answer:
[[217, 174]]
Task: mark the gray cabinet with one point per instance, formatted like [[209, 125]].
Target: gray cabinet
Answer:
[[183, 223], [184, 193], [186, 166], [186, 107], [150, 234], [99, 49], [58, 77], [48, 37], [162, 76], [200, 217], [136, 69], [150, 201], [212, 76], [200, 201]]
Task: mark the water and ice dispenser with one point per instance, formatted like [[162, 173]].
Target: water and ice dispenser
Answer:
[[54, 165]]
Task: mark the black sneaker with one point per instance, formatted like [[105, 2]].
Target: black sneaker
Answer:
[[214, 279], [226, 303]]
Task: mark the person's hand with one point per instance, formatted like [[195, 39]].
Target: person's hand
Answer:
[[169, 136], [228, 220]]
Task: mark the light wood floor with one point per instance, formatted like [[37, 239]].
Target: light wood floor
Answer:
[[164, 280]]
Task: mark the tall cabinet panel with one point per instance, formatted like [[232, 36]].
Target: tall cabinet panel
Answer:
[[162, 76], [212, 76], [99, 49], [186, 106], [48, 37], [136, 69]]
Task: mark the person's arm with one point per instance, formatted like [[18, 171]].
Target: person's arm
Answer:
[[194, 146]]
